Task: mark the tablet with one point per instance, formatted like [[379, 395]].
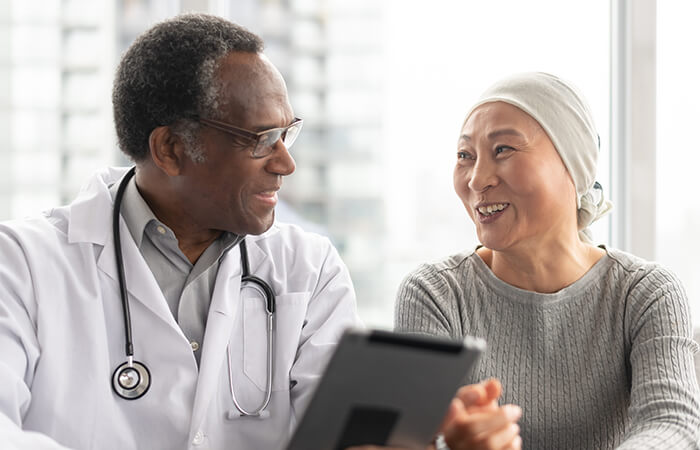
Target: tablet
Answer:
[[385, 388]]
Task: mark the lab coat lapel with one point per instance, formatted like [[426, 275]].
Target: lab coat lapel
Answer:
[[91, 221], [256, 255], [222, 314], [140, 282]]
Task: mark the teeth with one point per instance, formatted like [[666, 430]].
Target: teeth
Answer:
[[488, 210]]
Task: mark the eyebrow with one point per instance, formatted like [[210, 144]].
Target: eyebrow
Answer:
[[498, 133]]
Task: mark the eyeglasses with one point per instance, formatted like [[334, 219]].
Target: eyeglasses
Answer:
[[264, 140]]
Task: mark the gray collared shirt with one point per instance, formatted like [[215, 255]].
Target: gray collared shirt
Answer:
[[187, 287]]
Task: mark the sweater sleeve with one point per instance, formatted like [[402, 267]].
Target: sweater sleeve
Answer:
[[425, 304], [664, 406]]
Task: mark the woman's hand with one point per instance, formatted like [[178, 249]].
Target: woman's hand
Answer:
[[475, 421]]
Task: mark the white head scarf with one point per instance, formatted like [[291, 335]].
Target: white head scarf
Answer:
[[566, 118]]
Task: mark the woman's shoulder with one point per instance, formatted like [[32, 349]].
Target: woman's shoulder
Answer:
[[447, 274], [634, 269], [645, 285], [448, 266], [428, 298]]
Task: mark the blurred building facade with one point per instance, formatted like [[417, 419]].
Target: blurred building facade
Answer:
[[330, 52], [382, 86], [58, 60]]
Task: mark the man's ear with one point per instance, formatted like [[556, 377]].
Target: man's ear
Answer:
[[167, 150]]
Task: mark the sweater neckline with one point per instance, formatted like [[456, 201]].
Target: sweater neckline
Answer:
[[589, 279]]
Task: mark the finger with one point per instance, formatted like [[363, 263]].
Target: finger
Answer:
[[503, 438], [480, 394], [517, 444], [468, 429], [472, 395], [493, 388], [489, 423], [488, 407]]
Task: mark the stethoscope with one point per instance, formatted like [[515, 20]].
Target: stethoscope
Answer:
[[132, 379]]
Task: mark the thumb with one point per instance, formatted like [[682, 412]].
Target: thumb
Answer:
[[493, 389]]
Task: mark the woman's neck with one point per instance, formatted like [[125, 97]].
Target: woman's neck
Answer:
[[544, 267]]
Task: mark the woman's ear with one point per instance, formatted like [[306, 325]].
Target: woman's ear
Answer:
[[167, 150]]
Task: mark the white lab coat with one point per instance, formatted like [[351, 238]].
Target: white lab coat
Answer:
[[62, 336]]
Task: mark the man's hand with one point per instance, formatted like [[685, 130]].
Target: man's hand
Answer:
[[475, 421]]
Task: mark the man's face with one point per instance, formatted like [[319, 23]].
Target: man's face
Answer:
[[231, 190]]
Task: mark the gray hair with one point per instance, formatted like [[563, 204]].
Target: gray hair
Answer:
[[166, 78]]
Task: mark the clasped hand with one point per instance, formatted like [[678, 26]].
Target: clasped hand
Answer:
[[474, 420]]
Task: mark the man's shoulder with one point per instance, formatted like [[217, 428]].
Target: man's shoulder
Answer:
[[45, 225], [56, 219]]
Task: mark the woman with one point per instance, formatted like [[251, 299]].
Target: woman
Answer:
[[593, 344]]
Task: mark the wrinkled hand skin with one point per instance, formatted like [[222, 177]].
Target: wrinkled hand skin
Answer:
[[475, 421]]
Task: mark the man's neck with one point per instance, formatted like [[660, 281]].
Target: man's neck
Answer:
[[192, 239]]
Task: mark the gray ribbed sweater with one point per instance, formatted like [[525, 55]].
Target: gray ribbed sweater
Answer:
[[604, 363]]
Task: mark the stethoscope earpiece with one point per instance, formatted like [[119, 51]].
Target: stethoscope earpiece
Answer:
[[131, 380]]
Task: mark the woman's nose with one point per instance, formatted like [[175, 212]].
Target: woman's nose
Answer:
[[483, 175]]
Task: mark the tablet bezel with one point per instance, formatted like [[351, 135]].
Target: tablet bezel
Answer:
[[384, 374]]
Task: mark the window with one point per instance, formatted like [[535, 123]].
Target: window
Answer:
[[382, 86], [678, 155], [438, 59]]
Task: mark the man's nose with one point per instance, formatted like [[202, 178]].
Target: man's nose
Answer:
[[281, 161]]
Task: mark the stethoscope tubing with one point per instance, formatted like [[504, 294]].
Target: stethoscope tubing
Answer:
[[131, 380], [129, 343]]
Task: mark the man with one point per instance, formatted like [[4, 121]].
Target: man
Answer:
[[205, 117]]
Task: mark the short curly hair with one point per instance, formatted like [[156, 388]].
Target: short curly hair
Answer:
[[166, 77]]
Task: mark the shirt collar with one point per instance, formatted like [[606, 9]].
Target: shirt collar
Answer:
[[137, 215], [135, 211]]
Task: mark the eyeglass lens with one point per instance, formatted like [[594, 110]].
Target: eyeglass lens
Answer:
[[268, 140]]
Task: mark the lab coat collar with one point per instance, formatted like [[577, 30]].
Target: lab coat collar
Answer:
[[256, 255], [91, 212]]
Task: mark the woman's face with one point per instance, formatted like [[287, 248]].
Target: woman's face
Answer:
[[511, 179]]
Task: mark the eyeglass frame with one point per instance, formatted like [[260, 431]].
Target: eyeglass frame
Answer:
[[253, 135]]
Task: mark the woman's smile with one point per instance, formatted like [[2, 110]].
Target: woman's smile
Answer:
[[490, 212]]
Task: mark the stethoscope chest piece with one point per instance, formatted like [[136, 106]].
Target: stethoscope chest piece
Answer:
[[131, 380]]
